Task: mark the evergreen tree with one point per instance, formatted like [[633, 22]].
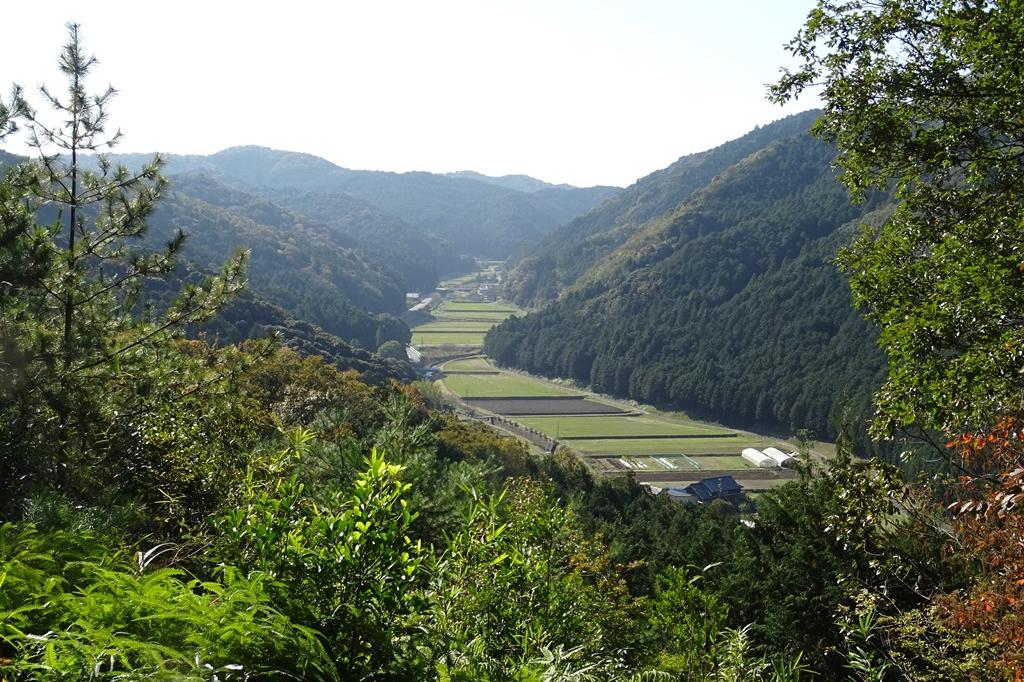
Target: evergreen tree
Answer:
[[926, 96], [85, 353]]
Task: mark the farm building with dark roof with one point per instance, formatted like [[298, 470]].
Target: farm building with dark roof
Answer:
[[705, 490]]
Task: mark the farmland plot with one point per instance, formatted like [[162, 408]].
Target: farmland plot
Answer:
[[731, 446], [566, 405], [618, 427], [501, 385]]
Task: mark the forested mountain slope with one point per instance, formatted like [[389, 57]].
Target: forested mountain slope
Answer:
[[350, 288], [548, 267], [485, 218], [727, 304], [417, 258], [313, 272]]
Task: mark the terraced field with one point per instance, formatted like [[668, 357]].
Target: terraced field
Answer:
[[484, 307], [479, 364], [560, 405], [501, 385], [617, 427], [454, 325], [611, 438], [673, 464], [491, 316], [460, 323], [730, 446], [441, 338]]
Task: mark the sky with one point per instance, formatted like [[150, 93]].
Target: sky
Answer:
[[584, 92]]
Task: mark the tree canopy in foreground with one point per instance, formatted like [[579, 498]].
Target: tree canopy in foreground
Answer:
[[925, 96]]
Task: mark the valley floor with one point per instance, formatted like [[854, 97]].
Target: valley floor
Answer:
[[612, 437]]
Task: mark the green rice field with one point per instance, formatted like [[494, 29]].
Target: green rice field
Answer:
[[469, 365], [481, 307], [454, 326], [441, 338], [465, 279], [460, 323], [489, 316], [603, 427], [669, 446], [501, 386]]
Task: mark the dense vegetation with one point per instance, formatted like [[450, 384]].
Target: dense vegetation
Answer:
[[556, 262], [174, 509], [728, 304], [294, 263]]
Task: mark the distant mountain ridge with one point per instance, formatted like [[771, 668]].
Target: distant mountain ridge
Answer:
[[477, 215], [310, 270], [520, 183], [726, 303]]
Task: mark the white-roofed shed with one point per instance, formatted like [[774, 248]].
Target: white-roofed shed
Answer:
[[757, 458], [778, 456]]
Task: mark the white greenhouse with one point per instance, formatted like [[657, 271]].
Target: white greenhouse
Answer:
[[779, 457], [757, 458]]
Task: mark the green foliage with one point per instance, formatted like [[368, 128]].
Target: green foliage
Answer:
[[179, 535], [88, 362], [251, 317], [688, 623], [923, 95], [816, 543], [922, 644], [295, 263], [517, 578], [418, 258], [68, 611], [342, 562], [393, 350]]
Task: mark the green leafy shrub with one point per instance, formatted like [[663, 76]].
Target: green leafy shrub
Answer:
[[70, 610], [342, 564]]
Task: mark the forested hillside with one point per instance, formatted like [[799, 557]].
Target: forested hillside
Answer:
[[477, 217], [313, 272], [727, 304], [419, 259], [552, 265]]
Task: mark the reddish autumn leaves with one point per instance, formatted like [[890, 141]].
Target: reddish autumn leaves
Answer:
[[989, 523]]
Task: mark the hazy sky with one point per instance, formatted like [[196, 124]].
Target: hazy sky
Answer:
[[578, 91]]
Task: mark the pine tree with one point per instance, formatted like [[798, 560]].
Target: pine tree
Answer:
[[87, 350]]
